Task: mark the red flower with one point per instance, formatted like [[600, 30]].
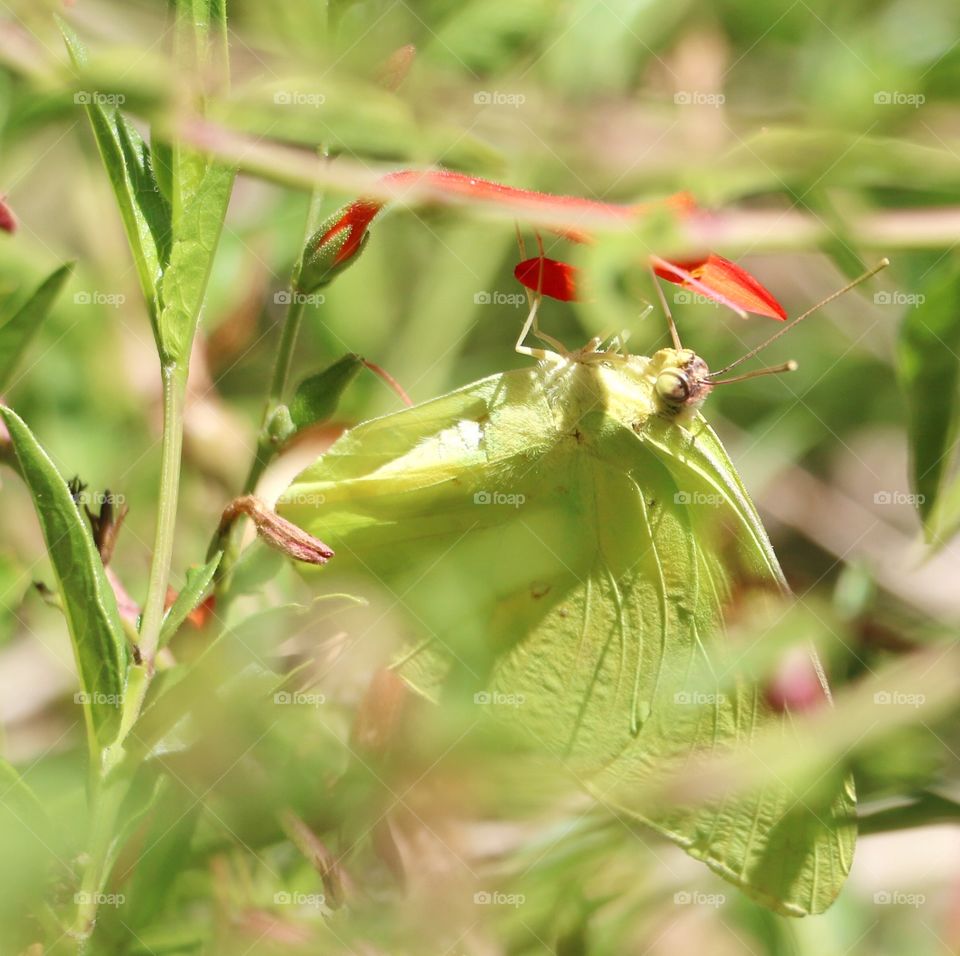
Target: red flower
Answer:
[[340, 239], [723, 281], [555, 279]]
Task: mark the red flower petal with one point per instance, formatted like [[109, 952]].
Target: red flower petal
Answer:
[[555, 279], [473, 188], [728, 283], [713, 275]]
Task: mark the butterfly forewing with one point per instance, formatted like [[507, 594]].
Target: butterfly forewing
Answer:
[[556, 540]]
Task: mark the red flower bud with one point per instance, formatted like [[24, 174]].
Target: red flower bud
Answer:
[[336, 244]]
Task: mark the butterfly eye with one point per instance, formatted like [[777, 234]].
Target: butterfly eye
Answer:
[[673, 386]]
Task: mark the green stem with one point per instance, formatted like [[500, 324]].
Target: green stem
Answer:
[[265, 444], [283, 362], [174, 391], [278, 386], [106, 794]]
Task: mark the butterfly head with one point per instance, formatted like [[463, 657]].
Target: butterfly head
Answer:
[[681, 382]]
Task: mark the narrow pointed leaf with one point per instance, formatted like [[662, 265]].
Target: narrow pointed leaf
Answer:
[[192, 593], [929, 369], [200, 188], [201, 194], [88, 601], [143, 207], [18, 331]]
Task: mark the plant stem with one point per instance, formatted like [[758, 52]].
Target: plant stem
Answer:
[[265, 445], [106, 794], [278, 386], [174, 391], [283, 362]]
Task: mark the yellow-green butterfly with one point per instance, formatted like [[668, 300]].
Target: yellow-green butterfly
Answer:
[[569, 535]]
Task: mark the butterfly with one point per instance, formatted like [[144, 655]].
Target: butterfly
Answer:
[[571, 535]]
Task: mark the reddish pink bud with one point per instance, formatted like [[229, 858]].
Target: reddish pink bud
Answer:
[[796, 684], [8, 221]]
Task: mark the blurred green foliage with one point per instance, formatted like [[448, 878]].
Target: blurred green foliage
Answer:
[[834, 126]]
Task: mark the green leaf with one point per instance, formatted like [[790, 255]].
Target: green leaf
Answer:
[[144, 210], [173, 216], [88, 601], [316, 398], [201, 194], [566, 542], [192, 593], [929, 368], [18, 331], [200, 189]]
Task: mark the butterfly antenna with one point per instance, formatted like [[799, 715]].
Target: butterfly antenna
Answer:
[[520, 243], [790, 366], [882, 264], [674, 334]]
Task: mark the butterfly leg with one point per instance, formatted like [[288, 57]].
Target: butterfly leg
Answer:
[[531, 324]]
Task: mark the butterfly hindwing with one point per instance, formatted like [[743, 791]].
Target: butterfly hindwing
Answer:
[[555, 541]]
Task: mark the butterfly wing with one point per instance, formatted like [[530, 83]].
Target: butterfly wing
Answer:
[[579, 559]]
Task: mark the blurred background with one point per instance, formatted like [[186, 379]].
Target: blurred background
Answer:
[[821, 136]]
